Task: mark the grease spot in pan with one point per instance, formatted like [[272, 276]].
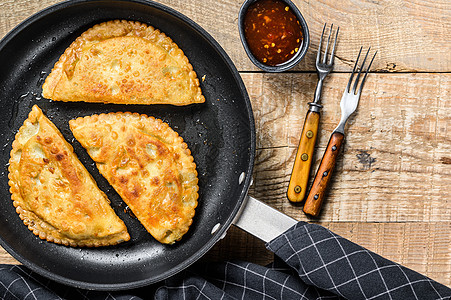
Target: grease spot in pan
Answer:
[[215, 228], [241, 178]]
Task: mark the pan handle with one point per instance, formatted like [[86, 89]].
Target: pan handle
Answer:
[[261, 220]]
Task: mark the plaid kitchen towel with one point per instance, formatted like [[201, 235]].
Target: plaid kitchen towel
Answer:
[[312, 263]]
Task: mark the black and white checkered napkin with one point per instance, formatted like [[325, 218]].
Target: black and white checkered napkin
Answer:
[[314, 264]]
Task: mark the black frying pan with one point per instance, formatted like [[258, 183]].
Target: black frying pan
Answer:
[[220, 134]]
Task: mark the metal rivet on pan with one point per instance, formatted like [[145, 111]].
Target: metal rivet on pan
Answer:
[[215, 228], [297, 189], [334, 148], [316, 197], [241, 178], [309, 134], [223, 235], [325, 174], [304, 156]]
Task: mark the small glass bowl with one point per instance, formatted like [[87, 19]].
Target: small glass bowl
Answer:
[[291, 62]]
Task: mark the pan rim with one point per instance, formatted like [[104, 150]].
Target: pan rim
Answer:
[[245, 185]]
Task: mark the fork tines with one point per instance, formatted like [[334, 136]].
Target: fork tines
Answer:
[[331, 60], [360, 71]]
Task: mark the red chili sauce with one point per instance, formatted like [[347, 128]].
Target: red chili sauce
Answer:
[[272, 31]]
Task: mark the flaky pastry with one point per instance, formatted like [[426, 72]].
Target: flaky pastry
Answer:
[[148, 164], [54, 194], [123, 62]]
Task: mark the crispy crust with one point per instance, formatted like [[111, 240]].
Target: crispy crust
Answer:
[[123, 62], [54, 194], [148, 164]]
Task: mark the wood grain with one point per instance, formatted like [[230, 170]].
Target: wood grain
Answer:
[[406, 32], [6, 258], [393, 166], [393, 175], [324, 173], [297, 186], [410, 35]]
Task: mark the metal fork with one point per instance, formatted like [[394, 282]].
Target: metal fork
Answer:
[[348, 105], [323, 67], [302, 164]]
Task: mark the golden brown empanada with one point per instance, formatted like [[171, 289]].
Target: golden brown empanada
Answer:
[[123, 62], [54, 194], [148, 164]]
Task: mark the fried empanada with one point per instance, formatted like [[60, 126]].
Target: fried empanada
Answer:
[[123, 62], [148, 164], [54, 194]]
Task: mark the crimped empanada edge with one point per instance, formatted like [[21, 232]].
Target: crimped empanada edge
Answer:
[[146, 120], [53, 78], [27, 216]]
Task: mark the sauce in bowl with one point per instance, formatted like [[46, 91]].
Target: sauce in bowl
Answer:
[[272, 31]]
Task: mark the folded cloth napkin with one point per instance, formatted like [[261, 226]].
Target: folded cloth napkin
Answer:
[[312, 263]]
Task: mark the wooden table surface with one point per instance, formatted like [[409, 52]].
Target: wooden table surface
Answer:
[[391, 186]]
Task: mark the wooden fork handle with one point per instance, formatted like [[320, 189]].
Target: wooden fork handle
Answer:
[[303, 161], [315, 197]]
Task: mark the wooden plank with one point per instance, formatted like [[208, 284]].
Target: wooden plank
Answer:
[[12, 12], [394, 28], [405, 32], [393, 176], [6, 258], [395, 162]]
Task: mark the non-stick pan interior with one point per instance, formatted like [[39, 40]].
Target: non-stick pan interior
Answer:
[[220, 134]]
